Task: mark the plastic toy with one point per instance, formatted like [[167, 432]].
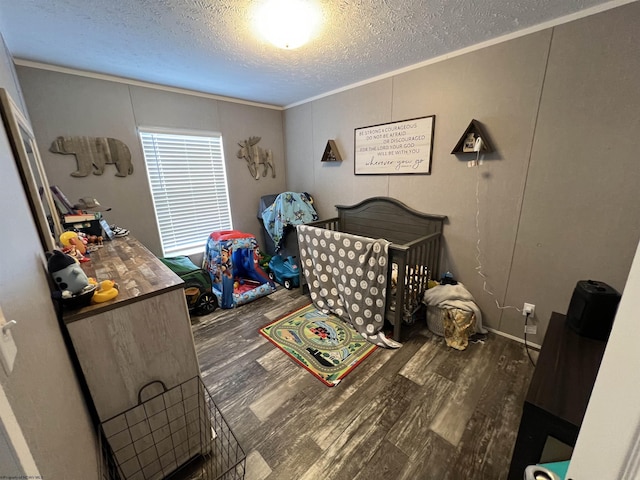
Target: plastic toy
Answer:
[[263, 260], [65, 238], [75, 245], [284, 271], [107, 290], [197, 284], [231, 257]]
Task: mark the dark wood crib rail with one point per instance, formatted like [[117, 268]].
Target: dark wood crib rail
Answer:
[[329, 224], [388, 218]]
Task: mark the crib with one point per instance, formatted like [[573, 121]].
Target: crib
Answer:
[[414, 253]]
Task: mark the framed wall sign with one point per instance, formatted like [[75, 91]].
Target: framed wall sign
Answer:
[[395, 148]]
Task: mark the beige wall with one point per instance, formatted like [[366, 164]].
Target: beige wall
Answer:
[[42, 389], [557, 198], [580, 215], [63, 104]]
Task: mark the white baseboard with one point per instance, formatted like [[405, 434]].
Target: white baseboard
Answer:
[[513, 337]]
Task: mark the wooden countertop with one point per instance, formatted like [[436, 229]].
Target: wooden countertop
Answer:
[[138, 273]]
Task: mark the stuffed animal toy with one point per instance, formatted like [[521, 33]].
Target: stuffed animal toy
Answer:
[[66, 272]]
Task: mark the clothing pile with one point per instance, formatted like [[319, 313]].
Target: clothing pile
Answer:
[[461, 316]]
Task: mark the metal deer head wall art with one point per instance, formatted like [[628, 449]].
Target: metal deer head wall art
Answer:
[[256, 156]]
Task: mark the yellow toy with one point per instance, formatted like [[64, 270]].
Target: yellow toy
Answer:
[[107, 290], [66, 237], [74, 245]]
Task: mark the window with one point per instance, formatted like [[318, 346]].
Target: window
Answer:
[[189, 187]]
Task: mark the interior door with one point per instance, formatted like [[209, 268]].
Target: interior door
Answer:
[[11, 466], [16, 460], [27, 157]]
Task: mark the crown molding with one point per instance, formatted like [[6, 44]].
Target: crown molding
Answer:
[[478, 46], [137, 83]]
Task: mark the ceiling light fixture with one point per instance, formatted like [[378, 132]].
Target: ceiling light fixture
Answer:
[[288, 23]]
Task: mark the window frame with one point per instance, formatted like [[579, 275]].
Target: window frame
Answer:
[[222, 221]]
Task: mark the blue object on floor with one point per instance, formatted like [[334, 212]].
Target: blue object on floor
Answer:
[[559, 468], [284, 271], [547, 471]]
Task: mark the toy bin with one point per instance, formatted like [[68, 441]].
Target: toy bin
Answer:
[[176, 433]]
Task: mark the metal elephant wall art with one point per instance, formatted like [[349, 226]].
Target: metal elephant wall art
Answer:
[[256, 156], [93, 153]]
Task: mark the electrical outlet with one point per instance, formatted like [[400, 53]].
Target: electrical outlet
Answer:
[[529, 308], [530, 329]]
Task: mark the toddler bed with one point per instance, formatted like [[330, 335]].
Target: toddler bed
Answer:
[[413, 254]]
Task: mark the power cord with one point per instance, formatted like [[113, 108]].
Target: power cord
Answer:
[[478, 249], [526, 346], [479, 261]]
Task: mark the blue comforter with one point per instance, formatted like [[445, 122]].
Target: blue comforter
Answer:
[[289, 208]]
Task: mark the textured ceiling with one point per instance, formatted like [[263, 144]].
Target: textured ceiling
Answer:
[[212, 46]]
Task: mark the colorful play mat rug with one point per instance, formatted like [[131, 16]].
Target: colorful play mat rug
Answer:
[[326, 346]]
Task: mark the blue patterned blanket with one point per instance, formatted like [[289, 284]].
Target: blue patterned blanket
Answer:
[[289, 208]]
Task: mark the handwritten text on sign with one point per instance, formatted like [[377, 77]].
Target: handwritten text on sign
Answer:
[[395, 148]]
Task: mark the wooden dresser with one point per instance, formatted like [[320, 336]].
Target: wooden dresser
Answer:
[[141, 336], [558, 393]]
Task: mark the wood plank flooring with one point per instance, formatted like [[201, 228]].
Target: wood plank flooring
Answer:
[[424, 411]]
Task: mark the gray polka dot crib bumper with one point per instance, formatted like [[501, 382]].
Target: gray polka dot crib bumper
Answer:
[[414, 252], [347, 276]]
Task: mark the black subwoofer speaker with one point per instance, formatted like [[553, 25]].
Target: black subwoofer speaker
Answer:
[[592, 309]]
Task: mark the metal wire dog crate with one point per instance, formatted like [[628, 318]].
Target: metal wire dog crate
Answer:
[[178, 434]]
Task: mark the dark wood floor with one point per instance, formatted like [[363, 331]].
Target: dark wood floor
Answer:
[[424, 411]]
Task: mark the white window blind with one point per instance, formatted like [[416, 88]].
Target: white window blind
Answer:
[[189, 188]]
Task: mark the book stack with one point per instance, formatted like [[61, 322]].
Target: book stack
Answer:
[[81, 217], [74, 218], [89, 223]]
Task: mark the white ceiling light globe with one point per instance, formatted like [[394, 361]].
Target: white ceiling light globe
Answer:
[[287, 23]]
